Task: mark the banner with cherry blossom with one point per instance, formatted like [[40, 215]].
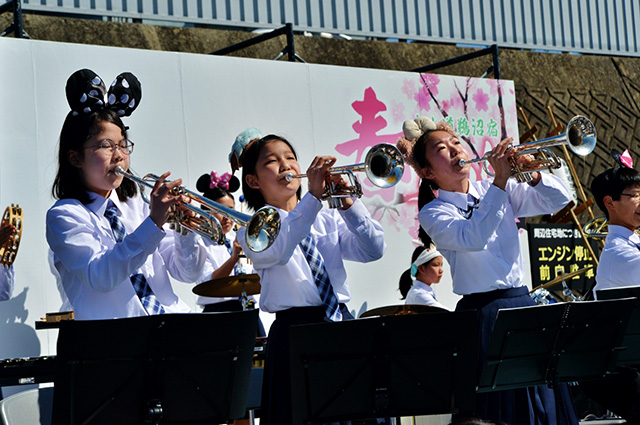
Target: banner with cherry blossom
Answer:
[[482, 111]]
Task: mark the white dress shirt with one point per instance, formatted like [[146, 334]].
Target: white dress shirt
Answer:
[[7, 282], [619, 263], [484, 251], [422, 294], [285, 275], [217, 255], [95, 270]]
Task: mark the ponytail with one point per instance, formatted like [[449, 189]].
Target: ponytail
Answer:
[[425, 195], [405, 283]]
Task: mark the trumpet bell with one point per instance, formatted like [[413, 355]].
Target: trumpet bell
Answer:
[[384, 165], [262, 229], [581, 134]]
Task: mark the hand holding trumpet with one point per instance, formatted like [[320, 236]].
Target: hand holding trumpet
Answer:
[[498, 157], [163, 200], [504, 158], [317, 174]]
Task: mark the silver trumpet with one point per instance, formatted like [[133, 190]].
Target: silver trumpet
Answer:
[[262, 227], [383, 166], [580, 137]]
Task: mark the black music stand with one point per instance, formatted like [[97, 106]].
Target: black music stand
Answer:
[[550, 344], [164, 369], [383, 367], [631, 342]]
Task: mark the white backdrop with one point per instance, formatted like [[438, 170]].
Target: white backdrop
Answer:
[[192, 108]]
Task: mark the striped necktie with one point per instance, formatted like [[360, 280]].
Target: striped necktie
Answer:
[[139, 282], [319, 272]]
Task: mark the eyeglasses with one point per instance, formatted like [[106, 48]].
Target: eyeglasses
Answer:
[[108, 146], [635, 197]]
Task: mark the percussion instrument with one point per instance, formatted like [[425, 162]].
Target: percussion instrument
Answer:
[[580, 137], [8, 251], [542, 295], [262, 227], [231, 286], [383, 166], [402, 309]]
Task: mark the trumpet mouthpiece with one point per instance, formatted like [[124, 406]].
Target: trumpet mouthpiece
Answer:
[[288, 177]]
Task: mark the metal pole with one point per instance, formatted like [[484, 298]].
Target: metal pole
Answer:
[[456, 60], [291, 48], [496, 61], [255, 40]]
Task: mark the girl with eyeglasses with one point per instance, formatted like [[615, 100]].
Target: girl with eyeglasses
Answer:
[[111, 253]]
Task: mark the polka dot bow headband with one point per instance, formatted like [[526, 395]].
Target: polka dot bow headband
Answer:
[[219, 181], [86, 93]]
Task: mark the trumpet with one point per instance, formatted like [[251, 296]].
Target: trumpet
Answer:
[[262, 227], [580, 137], [383, 166]]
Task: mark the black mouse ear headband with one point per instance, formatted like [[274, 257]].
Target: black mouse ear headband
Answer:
[[86, 93]]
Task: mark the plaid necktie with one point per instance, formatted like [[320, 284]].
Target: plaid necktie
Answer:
[[140, 285], [237, 268], [329, 298]]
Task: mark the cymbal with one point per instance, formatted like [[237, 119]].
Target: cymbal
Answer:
[[399, 310], [230, 286], [562, 277]]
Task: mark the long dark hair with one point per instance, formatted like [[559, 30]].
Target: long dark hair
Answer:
[[253, 197], [405, 279], [76, 130], [427, 187]]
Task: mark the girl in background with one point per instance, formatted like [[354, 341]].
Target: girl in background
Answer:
[[222, 260], [415, 283], [473, 225], [302, 274]]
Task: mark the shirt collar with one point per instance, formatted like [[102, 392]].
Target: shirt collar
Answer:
[[98, 204], [633, 237], [458, 199], [421, 285]]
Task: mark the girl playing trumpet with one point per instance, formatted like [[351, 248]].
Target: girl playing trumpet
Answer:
[[109, 248], [474, 226], [302, 274]]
